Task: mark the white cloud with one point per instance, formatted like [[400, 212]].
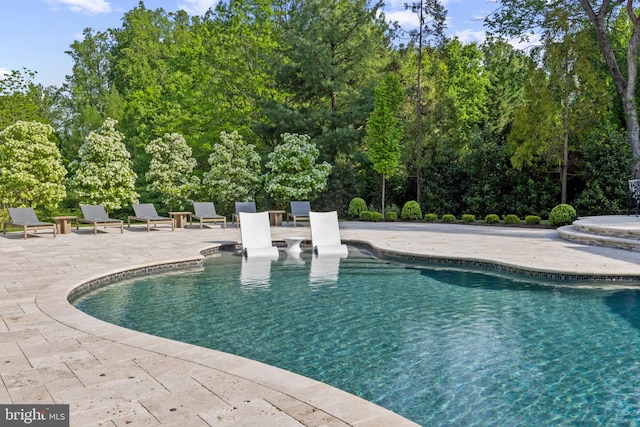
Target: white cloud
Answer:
[[91, 7], [470, 36], [534, 40], [407, 19], [196, 7], [4, 72]]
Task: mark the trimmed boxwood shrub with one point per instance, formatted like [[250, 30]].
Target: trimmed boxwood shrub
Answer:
[[365, 215], [411, 210], [376, 216], [356, 206], [532, 219], [448, 218], [562, 214], [431, 217], [511, 219], [390, 216], [492, 219], [468, 218]]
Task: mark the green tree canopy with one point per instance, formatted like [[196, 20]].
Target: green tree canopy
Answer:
[[384, 131], [170, 170], [292, 172], [23, 100], [31, 169], [103, 174]]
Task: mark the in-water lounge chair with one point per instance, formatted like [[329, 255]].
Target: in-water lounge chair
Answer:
[[299, 210], [243, 207], [325, 234], [97, 215], [206, 212], [256, 235], [27, 219], [146, 212]]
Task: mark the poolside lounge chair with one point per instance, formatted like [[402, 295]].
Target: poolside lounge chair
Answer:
[[97, 215], [325, 234], [243, 207], [299, 210], [27, 219], [256, 235], [206, 212], [146, 212]]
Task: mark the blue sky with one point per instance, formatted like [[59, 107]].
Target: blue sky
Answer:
[[35, 34]]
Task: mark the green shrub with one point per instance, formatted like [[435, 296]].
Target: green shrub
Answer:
[[393, 208], [562, 214], [532, 219], [492, 219], [356, 206], [468, 218], [431, 217], [448, 218], [365, 215], [511, 219], [390, 215], [376, 216], [411, 210]]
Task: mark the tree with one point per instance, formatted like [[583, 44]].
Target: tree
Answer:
[[331, 52], [517, 17], [384, 131], [170, 170], [103, 174], [31, 169], [235, 170], [22, 100], [431, 18], [292, 172]]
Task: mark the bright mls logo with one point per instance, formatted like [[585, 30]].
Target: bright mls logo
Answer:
[[34, 415]]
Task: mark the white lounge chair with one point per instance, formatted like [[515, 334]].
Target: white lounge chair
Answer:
[[146, 212], [243, 207], [27, 219], [256, 235], [325, 234], [299, 210], [97, 215], [206, 212]]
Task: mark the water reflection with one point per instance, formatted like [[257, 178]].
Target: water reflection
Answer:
[[255, 272], [626, 304], [324, 269]]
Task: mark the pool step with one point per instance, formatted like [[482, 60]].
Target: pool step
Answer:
[[621, 232]]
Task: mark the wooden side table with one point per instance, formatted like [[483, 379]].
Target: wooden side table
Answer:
[[63, 223], [180, 218], [275, 217]]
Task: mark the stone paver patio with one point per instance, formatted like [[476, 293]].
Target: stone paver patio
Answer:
[[110, 376]]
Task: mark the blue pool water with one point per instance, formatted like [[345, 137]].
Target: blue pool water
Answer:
[[441, 347]]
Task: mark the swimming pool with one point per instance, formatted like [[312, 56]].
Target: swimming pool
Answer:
[[439, 346]]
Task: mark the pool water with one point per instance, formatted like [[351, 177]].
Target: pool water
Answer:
[[442, 347]]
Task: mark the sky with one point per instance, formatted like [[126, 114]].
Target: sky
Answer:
[[34, 34]]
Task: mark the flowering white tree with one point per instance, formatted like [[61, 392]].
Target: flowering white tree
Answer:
[[170, 170], [235, 170], [31, 169], [292, 170], [103, 174]]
